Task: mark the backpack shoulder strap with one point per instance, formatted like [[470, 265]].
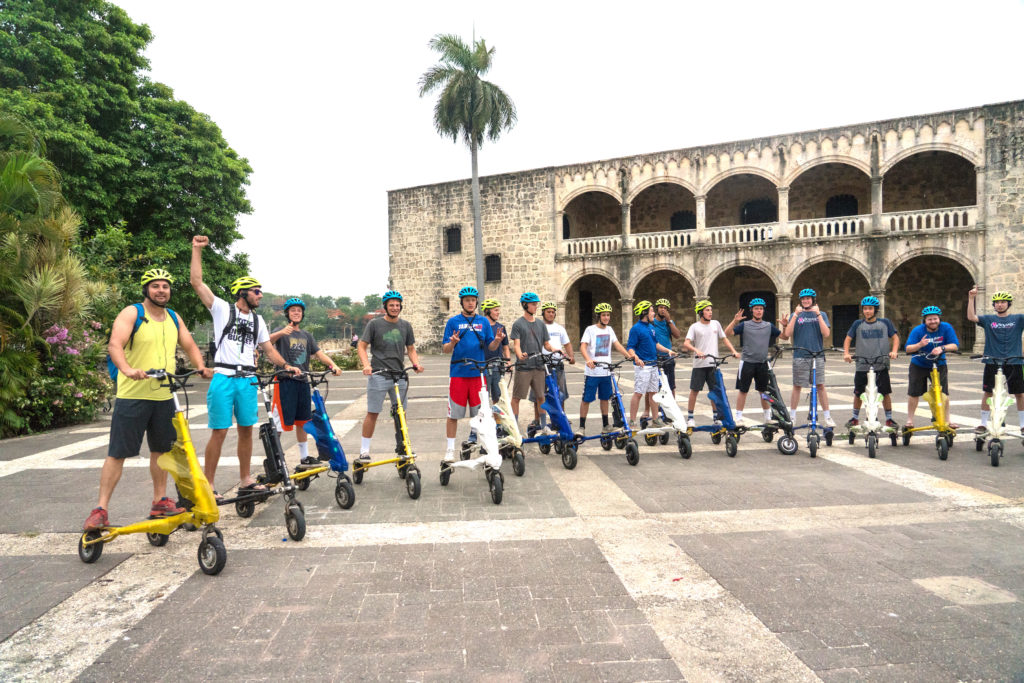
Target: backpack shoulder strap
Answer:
[[174, 317], [227, 328], [140, 317]]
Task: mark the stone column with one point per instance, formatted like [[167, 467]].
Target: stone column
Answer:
[[880, 295], [783, 230], [876, 204], [559, 244], [627, 319], [560, 314], [625, 226], [980, 193], [702, 236], [783, 306]]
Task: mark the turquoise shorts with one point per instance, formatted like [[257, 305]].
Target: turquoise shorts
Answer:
[[229, 395]]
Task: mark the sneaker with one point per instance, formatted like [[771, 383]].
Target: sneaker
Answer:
[[472, 438], [690, 424], [656, 423], [853, 422], [165, 507], [308, 463], [981, 431], [606, 429], [97, 520], [449, 455], [363, 459], [829, 422], [891, 424]]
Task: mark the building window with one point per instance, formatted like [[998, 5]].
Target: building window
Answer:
[[445, 304], [758, 211], [683, 220], [565, 227], [841, 205], [453, 239], [492, 268]]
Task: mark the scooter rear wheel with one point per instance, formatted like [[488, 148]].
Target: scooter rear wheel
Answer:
[[852, 437], [979, 445], [663, 439], [716, 438], [893, 439], [245, 508], [606, 444], [906, 438], [446, 474], [302, 484], [357, 475], [89, 553], [731, 444], [768, 435], [829, 435], [545, 448], [650, 439], [158, 540]]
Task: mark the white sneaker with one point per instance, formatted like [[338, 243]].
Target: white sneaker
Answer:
[[363, 458], [690, 424], [829, 422], [449, 455]]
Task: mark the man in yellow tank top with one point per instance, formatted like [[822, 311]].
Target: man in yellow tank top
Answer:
[[143, 406]]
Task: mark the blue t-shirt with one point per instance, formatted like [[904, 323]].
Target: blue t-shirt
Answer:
[[643, 342], [475, 334], [662, 332], [807, 333], [945, 334], [1002, 335], [496, 353]]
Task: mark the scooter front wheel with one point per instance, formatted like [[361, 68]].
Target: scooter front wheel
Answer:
[[872, 442], [496, 486], [569, 458], [344, 494], [632, 452], [412, 483], [995, 451], [812, 445], [787, 445], [89, 553], [685, 447], [942, 447], [212, 555], [518, 462]]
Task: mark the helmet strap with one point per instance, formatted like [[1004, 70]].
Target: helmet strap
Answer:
[[145, 295]]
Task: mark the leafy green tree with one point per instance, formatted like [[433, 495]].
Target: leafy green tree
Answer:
[[130, 154], [469, 108]]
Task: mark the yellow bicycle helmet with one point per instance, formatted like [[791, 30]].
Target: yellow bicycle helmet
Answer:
[[603, 308], [1002, 296], [488, 304], [244, 282], [663, 302], [641, 307], [548, 304], [701, 305], [155, 274]]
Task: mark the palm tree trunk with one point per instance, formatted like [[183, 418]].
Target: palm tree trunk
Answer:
[[478, 238]]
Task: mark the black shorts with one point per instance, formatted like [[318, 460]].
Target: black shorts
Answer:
[[860, 382], [1014, 379], [134, 417], [758, 372], [669, 366], [701, 376], [918, 381], [295, 401]]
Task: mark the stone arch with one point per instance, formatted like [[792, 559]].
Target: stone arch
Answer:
[[573, 278], [652, 208], [952, 254], [929, 179], [669, 282], [740, 170], [840, 285], [811, 189], [734, 286], [649, 270], [959, 150], [579, 191], [826, 159], [743, 262], [636, 190], [587, 289], [595, 212], [856, 264], [931, 277]]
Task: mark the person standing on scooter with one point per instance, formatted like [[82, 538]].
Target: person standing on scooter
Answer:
[[239, 330], [596, 347], [756, 337], [144, 407], [389, 339], [467, 335], [529, 337], [645, 347], [808, 327], [292, 396], [559, 340], [491, 308], [665, 331], [934, 338], [871, 337], [702, 340], [1002, 340]]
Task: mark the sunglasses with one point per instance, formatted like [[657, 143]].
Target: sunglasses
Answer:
[[256, 291]]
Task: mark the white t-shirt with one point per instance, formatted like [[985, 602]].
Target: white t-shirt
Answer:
[[236, 348], [599, 348], [558, 337], [705, 339]]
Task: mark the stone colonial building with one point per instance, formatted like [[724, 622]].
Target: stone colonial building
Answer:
[[913, 210]]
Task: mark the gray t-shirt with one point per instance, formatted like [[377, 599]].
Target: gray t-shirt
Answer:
[[757, 338], [387, 343], [531, 338], [297, 348], [807, 333], [872, 340]]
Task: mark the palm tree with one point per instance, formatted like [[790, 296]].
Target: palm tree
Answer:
[[469, 108]]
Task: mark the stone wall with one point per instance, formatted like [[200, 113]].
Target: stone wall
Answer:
[[931, 281], [810, 190], [929, 180], [652, 209], [1004, 201]]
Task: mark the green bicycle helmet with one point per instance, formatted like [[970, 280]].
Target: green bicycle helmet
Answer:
[[641, 307], [701, 305], [488, 304], [242, 283], [1002, 296], [548, 305], [154, 274], [663, 302], [602, 308]]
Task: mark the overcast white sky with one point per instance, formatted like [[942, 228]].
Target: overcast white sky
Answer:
[[322, 97]]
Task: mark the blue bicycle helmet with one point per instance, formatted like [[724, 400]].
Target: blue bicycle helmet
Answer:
[[390, 294], [529, 298], [294, 301], [468, 291], [757, 302], [808, 292], [931, 310], [870, 301]]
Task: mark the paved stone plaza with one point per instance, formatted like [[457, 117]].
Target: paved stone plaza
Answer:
[[759, 567]]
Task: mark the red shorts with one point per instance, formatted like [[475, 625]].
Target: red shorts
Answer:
[[463, 392]]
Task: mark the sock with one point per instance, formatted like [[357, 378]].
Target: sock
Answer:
[[542, 420], [604, 420], [304, 449], [364, 447], [1020, 418], [793, 413], [583, 423], [451, 444], [888, 415], [828, 414], [737, 415], [767, 414], [856, 413], [985, 414]]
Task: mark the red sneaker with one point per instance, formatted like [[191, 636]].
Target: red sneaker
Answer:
[[165, 507], [97, 520], [891, 424]]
